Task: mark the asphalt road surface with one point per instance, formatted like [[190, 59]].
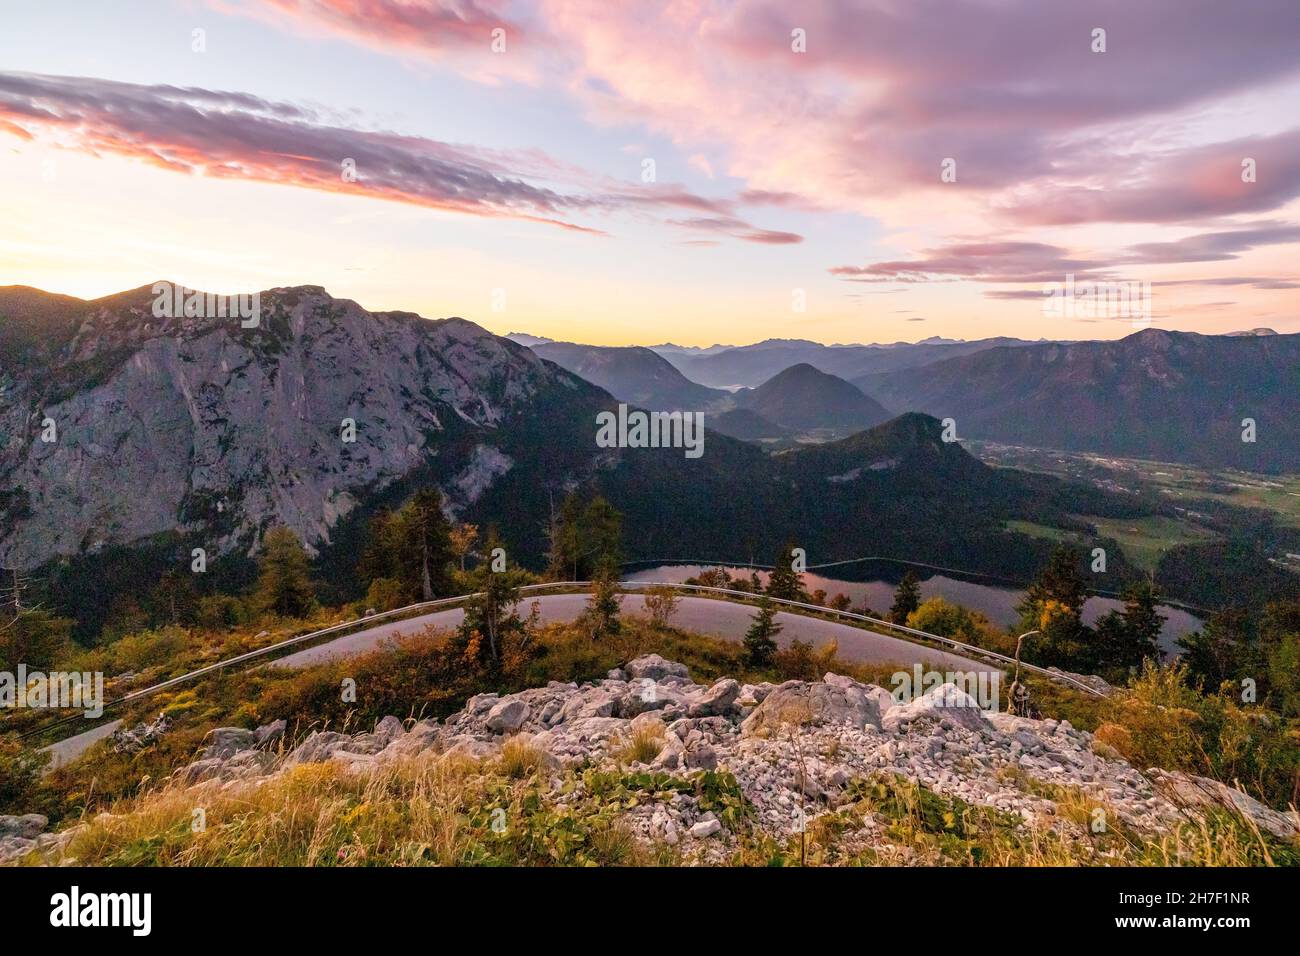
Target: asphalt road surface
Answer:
[[702, 615]]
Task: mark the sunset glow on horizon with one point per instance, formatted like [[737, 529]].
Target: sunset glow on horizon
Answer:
[[588, 173]]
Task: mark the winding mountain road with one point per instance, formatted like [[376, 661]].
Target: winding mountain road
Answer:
[[718, 618], [703, 615]]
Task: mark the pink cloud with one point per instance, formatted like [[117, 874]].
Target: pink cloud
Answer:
[[739, 229], [1176, 186], [1005, 261], [239, 136], [1017, 262], [432, 28], [887, 89]]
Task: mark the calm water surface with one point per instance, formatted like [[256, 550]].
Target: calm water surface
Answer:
[[996, 603]]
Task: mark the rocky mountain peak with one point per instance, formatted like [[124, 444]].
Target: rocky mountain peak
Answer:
[[221, 430]]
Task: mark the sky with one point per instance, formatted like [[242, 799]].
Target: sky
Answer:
[[695, 172]]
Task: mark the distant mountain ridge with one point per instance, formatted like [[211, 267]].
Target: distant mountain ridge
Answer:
[[1174, 396], [751, 365], [523, 338], [802, 397], [632, 374]]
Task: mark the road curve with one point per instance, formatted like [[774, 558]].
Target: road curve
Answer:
[[70, 748], [722, 619], [718, 618]]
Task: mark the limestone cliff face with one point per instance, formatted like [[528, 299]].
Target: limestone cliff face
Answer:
[[200, 426]]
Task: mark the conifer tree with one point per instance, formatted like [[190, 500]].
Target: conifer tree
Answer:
[[760, 643], [784, 582], [284, 585], [907, 598]]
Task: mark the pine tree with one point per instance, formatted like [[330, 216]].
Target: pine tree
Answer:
[[426, 541], [584, 541], [1226, 648], [760, 643], [1053, 604], [1124, 640], [284, 585], [907, 598], [492, 614], [1141, 618], [562, 534], [1059, 582], [784, 582], [412, 546], [602, 537], [600, 617]]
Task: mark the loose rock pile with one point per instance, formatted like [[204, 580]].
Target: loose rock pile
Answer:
[[19, 835], [129, 740], [793, 749]]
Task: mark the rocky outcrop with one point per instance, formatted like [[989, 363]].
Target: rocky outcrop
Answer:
[[792, 747], [835, 701], [20, 834], [654, 667], [1203, 793], [129, 740], [222, 431], [947, 705], [795, 750]]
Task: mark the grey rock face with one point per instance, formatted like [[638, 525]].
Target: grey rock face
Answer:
[[947, 702], [1202, 792], [797, 704], [319, 746], [227, 741], [507, 716], [389, 729], [706, 828], [27, 826], [225, 430], [270, 733], [716, 701], [655, 668]]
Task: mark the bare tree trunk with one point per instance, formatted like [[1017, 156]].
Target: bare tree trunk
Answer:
[[426, 583]]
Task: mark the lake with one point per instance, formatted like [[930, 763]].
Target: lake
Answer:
[[996, 603]]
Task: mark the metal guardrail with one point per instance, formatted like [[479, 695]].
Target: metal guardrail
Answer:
[[334, 629], [911, 631], [442, 603]]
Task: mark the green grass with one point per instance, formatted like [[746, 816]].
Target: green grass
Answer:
[[1042, 531], [1143, 540], [1280, 495], [1179, 484]]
